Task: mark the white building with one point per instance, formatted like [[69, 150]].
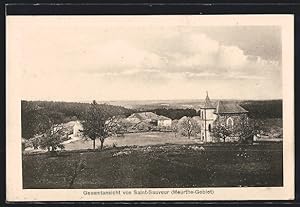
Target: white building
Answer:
[[207, 117], [77, 128]]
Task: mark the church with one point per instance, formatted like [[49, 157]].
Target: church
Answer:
[[227, 114]]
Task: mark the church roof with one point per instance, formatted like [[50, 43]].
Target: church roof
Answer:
[[229, 108], [207, 103]]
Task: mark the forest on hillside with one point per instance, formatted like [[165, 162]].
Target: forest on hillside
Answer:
[[263, 109], [37, 115]]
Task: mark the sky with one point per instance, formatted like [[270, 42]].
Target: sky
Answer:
[[69, 58]]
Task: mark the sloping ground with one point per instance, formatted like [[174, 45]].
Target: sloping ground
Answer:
[[158, 166]]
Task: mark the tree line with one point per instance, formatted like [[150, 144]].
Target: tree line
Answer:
[[263, 109]]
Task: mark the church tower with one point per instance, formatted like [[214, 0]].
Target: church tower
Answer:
[[207, 118]]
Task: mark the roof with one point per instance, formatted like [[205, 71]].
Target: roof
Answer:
[[207, 103], [229, 108], [135, 115], [71, 124], [141, 123], [148, 115]]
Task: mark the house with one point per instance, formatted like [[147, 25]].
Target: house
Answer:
[[224, 113], [140, 127], [150, 118], [73, 128], [134, 118], [77, 129]]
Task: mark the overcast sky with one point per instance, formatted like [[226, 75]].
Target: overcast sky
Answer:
[[86, 58]]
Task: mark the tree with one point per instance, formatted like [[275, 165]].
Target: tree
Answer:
[[175, 127], [220, 132], [247, 129], [34, 120], [99, 123], [243, 130], [93, 123], [112, 126], [188, 126], [52, 139]]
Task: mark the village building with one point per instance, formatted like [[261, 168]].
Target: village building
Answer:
[[77, 128], [140, 127], [227, 114], [150, 118]]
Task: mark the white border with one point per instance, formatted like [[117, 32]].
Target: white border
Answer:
[[14, 191]]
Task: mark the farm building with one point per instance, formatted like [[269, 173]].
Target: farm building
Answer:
[[150, 118], [225, 113]]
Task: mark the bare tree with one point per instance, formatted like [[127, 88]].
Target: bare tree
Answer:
[[111, 127], [93, 123], [188, 126], [52, 139], [99, 124], [175, 127]]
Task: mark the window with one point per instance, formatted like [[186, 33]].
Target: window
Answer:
[[202, 115], [229, 122], [209, 128]]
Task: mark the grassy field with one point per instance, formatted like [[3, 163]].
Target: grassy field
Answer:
[[169, 165], [132, 139]]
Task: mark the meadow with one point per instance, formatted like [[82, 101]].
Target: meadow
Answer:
[[132, 139], [168, 165]]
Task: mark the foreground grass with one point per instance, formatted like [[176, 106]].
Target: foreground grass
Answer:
[[157, 166]]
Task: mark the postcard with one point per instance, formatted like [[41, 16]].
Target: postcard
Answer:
[[150, 107]]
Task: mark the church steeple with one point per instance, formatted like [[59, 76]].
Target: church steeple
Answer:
[[207, 103]]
